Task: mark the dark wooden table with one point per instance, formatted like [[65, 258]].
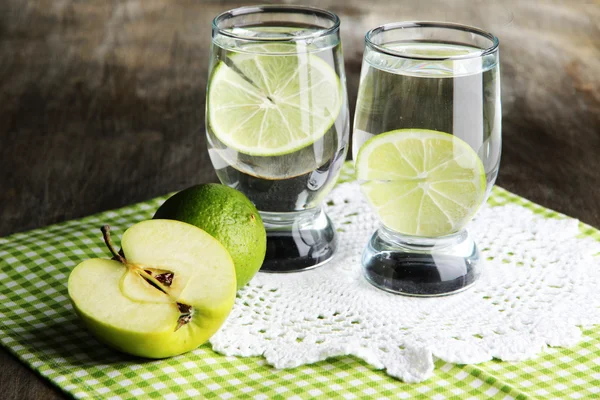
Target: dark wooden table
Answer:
[[102, 105]]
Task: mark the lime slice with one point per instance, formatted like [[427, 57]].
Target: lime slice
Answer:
[[273, 104], [421, 182]]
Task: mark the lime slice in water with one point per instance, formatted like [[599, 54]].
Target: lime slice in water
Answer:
[[421, 182], [272, 104]]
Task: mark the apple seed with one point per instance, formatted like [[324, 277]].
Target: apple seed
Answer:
[[165, 278], [184, 308]]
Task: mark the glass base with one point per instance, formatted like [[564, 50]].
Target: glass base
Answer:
[[416, 266], [297, 241]]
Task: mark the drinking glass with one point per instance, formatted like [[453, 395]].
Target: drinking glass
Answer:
[[426, 147], [277, 123]]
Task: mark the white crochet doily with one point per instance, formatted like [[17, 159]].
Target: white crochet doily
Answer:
[[539, 282]]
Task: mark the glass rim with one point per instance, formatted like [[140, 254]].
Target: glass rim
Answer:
[[432, 24], [272, 8]]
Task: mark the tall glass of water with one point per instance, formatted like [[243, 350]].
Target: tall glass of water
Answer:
[[426, 147], [277, 123]]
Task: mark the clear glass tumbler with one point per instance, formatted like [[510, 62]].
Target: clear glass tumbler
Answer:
[[277, 123], [426, 147]]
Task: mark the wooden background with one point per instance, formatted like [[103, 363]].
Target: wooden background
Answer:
[[102, 105]]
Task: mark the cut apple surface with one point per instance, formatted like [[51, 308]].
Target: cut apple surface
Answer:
[[168, 292]]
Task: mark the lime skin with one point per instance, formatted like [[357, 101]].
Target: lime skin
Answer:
[[228, 216]]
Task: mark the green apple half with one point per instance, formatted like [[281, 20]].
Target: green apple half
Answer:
[[168, 291]]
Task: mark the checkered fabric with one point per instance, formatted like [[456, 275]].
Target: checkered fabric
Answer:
[[38, 325]]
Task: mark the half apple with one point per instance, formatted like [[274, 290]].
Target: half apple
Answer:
[[168, 291]]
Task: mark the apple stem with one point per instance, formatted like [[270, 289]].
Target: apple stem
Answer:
[[106, 234]]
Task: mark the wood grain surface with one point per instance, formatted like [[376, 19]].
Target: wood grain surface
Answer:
[[102, 105]]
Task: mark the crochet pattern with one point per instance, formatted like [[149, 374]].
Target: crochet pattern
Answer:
[[539, 283]]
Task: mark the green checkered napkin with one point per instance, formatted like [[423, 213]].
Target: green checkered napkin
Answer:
[[38, 325]]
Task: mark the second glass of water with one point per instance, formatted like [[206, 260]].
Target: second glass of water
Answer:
[[426, 147], [277, 123]]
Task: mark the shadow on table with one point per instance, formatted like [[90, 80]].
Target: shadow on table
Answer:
[[69, 343]]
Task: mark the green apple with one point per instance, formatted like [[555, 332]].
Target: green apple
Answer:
[[168, 291]]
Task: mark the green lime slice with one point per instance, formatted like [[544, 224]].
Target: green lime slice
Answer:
[[273, 103], [421, 182]]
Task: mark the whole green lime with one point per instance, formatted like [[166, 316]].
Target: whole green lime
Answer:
[[229, 217]]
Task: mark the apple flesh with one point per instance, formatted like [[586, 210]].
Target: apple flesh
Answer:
[[166, 293]]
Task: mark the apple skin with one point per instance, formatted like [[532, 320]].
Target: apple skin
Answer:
[[139, 319]]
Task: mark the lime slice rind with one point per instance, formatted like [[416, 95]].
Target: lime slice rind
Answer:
[[421, 182], [292, 102]]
